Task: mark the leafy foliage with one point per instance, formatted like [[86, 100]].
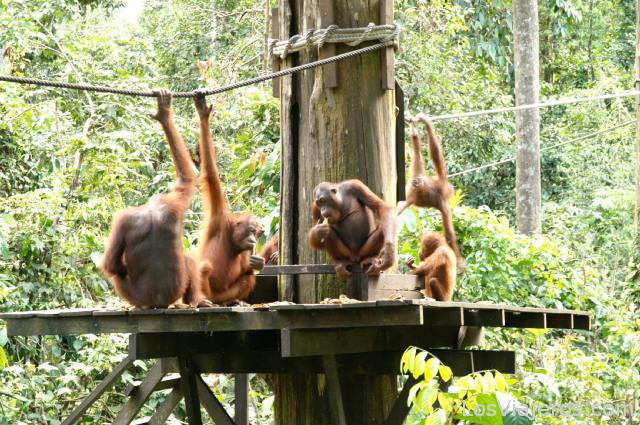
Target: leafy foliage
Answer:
[[476, 398], [68, 160]]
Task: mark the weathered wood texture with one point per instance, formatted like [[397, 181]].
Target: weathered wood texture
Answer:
[[332, 134], [527, 91], [294, 316], [357, 365]]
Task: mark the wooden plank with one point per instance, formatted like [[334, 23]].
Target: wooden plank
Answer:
[[275, 61], [211, 404], [293, 317], [442, 316], [189, 387], [400, 145], [138, 398], [582, 321], [58, 312], [241, 391], [164, 410], [503, 361], [219, 321], [388, 57], [162, 345], [562, 321], [400, 410], [484, 317], [106, 383], [276, 270], [334, 390], [372, 363], [521, 319], [329, 72], [313, 342]]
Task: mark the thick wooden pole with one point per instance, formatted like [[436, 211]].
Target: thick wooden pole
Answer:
[[331, 134], [527, 73]]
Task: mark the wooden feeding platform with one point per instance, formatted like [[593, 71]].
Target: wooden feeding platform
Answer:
[[360, 338]]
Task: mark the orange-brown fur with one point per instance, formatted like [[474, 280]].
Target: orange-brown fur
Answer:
[[224, 253], [438, 267], [351, 234], [270, 250], [143, 256], [431, 191]]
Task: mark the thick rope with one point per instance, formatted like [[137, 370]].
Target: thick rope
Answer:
[[206, 92], [546, 148], [628, 93], [334, 34]]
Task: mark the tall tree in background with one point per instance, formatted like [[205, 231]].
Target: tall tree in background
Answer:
[[527, 73]]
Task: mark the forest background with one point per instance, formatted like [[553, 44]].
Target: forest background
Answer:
[[69, 160]]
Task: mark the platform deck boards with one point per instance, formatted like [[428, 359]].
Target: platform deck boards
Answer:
[[291, 316]]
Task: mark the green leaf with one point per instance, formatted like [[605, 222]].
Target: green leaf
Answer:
[[438, 417], [501, 383], [445, 372], [431, 368], [412, 393], [406, 362], [485, 411], [3, 359], [418, 364]]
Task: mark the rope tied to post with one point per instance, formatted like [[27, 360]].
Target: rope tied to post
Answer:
[[334, 34]]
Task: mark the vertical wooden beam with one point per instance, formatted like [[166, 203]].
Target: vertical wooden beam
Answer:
[[400, 146], [241, 389], [333, 388], [106, 383], [388, 58], [188, 385], [329, 72], [275, 61]]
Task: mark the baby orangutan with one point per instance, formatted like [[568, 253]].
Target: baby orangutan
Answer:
[[438, 267], [431, 191]]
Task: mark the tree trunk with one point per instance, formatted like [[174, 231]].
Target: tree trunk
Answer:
[[330, 134], [637, 209], [527, 72]]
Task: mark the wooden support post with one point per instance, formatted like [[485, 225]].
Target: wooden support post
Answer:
[[138, 397], [108, 381], [275, 61], [388, 58], [163, 411], [400, 146], [329, 72], [241, 389], [400, 410], [333, 388], [188, 385], [211, 403]]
